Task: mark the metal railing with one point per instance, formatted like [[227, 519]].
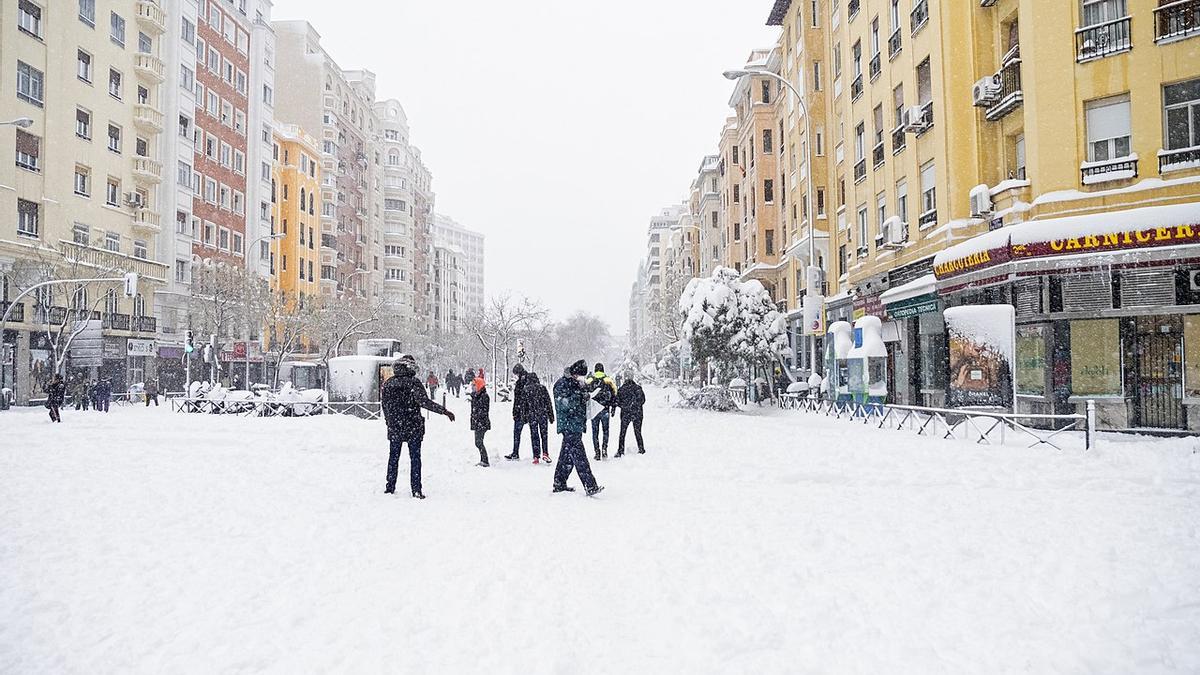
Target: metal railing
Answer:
[[265, 408], [1123, 165], [877, 154], [1182, 157], [982, 427], [860, 170], [1176, 20], [899, 140], [895, 44], [856, 87], [1010, 96], [875, 67], [1102, 39], [919, 15]]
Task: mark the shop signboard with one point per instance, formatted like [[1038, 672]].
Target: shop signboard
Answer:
[[982, 345], [867, 305], [114, 348], [922, 304], [170, 352], [87, 349], [239, 350], [138, 347]]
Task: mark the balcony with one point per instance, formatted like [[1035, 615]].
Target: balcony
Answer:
[[919, 16], [853, 8], [927, 218], [147, 118], [875, 67], [877, 155], [149, 66], [151, 17], [145, 324], [1176, 20], [898, 140], [856, 87], [1103, 171], [1103, 39], [17, 312], [147, 220], [860, 170], [1010, 96], [108, 261], [148, 170], [1179, 159], [115, 321], [329, 241], [895, 44]]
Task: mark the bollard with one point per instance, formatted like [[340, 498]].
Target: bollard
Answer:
[[1089, 438]]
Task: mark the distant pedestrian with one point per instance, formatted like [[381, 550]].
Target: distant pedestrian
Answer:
[[521, 414], [453, 381], [151, 391], [83, 398], [56, 393], [630, 399], [605, 395], [402, 400], [541, 416], [432, 383], [103, 391], [481, 420], [570, 403]]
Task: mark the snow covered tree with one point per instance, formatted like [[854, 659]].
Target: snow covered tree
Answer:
[[729, 321]]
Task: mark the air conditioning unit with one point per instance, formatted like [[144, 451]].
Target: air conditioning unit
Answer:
[[981, 203], [914, 119], [133, 199], [986, 91], [892, 234]]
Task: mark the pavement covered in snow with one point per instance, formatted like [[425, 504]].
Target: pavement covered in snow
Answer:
[[763, 541]]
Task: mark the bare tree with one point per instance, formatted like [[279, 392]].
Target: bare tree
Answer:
[[290, 320], [339, 320], [500, 324]]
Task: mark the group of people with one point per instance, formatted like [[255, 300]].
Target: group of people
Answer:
[[578, 397], [94, 394]]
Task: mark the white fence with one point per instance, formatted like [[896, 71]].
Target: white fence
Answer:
[[983, 427], [263, 408]]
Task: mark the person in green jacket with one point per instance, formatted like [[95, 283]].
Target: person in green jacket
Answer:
[[570, 402]]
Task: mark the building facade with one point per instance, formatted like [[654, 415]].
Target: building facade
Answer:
[[294, 257], [470, 243], [399, 207]]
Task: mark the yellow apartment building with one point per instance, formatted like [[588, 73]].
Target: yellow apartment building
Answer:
[[296, 194]]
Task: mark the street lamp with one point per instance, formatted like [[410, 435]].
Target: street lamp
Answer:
[[20, 123], [810, 215]]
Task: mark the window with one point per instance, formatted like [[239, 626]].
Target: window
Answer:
[[863, 227], [210, 146], [80, 234], [185, 127], [902, 201], [737, 194], [856, 55], [227, 113], [1101, 11], [226, 155], [83, 181], [1108, 128], [187, 31], [268, 95], [820, 202], [114, 138], [1019, 157], [184, 175], [28, 217], [181, 271], [112, 242], [860, 132], [875, 39], [928, 190], [837, 60], [766, 91], [214, 104], [214, 60], [894, 16], [112, 192], [237, 243], [29, 18], [29, 151], [30, 84], [768, 190], [187, 78], [210, 190], [114, 83], [768, 145], [83, 68], [117, 29], [223, 242], [87, 12], [201, 51], [898, 105], [139, 249], [239, 122], [881, 209], [145, 46], [1181, 108], [143, 95], [816, 76], [924, 83], [239, 162]]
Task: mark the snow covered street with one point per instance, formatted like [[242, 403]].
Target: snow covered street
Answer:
[[764, 541]]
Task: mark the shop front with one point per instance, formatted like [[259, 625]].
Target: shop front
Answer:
[[1107, 308], [113, 363], [918, 353]]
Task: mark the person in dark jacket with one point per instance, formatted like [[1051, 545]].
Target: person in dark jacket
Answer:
[[570, 403], [541, 415], [83, 397], [521, 414], [103, 391], [453, 382], [605, 395], [56, 393], [481, 420], [151, 389], [402, 400], [630, 399]]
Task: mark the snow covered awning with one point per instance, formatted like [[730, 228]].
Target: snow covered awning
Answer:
[[1110, 232], [920, 286]]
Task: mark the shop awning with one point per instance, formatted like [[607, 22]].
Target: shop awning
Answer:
[[917, 287], [1109, 232]]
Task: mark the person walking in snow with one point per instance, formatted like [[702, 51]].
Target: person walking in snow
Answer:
[[521, 414], [103, 391], [481, 420], [402, 400], [541, 416], [151, 391], [605, 396], [432, 383], [56, 393], [83, 397], [570, 403], [452, 383], [630, 399]]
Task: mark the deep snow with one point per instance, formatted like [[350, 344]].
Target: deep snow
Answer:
[[765, 541]]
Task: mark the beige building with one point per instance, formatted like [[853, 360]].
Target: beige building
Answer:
[[81, 195], [706, 192]]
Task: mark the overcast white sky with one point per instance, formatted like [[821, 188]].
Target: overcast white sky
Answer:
[[555, 127]]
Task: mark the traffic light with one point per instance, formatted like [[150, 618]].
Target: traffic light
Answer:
[[189, 345]]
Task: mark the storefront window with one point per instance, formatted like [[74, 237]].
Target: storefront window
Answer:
[[1031, 360], [933, 361], [1096, 357], [1191, 356]]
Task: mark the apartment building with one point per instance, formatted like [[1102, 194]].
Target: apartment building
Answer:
[[448, 297], [423, 261], [730, 177], [296, 177], [710, 243], [450, 233], [399, 206], [83, 186]]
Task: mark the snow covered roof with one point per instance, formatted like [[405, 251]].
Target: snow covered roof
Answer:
[[917, 287], [778, 12], [1146, 227]]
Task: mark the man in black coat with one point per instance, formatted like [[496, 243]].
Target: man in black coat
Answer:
[[402, 399], [56, 393], [630, 399], [541, 416], [103, 395], [481, 420], [521, 413]]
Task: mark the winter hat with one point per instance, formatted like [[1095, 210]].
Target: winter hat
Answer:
[[479, 384], [518, 369], [578, 368], [599, 367]]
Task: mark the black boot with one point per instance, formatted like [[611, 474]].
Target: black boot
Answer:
[[418, 495], [563, 488], [512, 457], [593, 491]]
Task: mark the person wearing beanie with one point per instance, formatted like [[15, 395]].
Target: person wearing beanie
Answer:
[[402, 399], [541, 416], [604, 394], [481, 420], [522, 414], [570, 403], [631, 399]]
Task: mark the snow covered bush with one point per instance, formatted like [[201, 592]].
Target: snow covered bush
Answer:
[[709, 398], [728, 320]]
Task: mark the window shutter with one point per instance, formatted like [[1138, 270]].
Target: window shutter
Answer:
[[1028, 296], [1147, 288], [1086, 292]]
